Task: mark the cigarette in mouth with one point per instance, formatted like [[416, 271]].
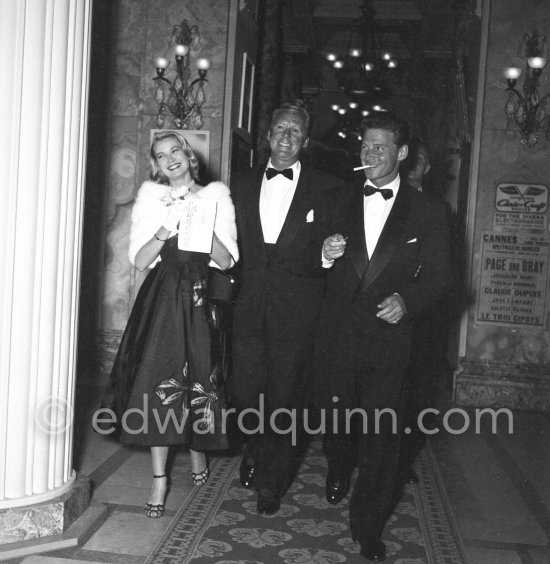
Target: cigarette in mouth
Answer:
[[364, 166]]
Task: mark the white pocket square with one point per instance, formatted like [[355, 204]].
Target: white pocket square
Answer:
[[412, 240], [309, 217]]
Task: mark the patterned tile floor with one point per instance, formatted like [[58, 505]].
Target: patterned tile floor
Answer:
[[498, 486]]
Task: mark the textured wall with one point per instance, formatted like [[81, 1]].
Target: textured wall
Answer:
[[142, 32], [492, 349]]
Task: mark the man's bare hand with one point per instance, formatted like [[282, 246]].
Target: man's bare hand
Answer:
[[392, 309], [334, 246]]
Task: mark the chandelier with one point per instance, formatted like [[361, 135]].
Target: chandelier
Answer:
[[349, 118], [178, 97], [361, 74], [528, 112]]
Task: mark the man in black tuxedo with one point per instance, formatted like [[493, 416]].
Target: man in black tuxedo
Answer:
[[390, 261], [282, 283], [427, 364]]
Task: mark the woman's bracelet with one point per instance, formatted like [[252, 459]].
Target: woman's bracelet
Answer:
[[159, 239]]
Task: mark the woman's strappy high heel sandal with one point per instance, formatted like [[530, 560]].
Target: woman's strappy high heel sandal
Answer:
[[200, 478], [156, 510]]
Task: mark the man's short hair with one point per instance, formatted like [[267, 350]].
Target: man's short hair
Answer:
[[416, 146], [297, 106], [388, 121]]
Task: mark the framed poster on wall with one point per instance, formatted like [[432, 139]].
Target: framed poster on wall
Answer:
[[521, 205], [513, 279], [247, 94]]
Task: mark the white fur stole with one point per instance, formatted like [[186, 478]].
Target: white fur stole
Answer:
[[150, 211]]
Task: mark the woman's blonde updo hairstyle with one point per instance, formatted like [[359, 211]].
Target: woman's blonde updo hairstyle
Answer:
[[156, 174]]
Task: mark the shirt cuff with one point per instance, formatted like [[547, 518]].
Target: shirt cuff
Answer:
[[325, 262]]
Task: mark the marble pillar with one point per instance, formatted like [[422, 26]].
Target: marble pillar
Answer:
[[44, 55]]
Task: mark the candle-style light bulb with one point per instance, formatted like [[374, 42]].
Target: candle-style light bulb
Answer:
[[203, 64], [181, 50], [537, 62], [511, 74], [161, 63]]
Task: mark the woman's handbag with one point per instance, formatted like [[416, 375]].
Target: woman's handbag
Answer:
[[221, 286]]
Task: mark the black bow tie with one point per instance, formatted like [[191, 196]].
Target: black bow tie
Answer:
[[271, 172], [369, 190]]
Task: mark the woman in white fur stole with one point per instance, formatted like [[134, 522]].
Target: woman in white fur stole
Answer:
[[167, 380]]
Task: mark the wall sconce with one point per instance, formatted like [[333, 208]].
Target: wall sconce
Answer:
[[527, 112], [179, 97]]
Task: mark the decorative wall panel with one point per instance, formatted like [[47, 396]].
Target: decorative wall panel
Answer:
[[143, 32], [498, 352]]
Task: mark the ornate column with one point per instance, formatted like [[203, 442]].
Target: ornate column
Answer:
[[44, 55]]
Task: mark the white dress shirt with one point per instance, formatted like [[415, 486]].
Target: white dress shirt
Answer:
[[275, 199], [376, 212]]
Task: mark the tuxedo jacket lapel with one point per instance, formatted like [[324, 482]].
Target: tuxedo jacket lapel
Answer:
[[391, 234], [255, 224], [296, 216], [357, 246]]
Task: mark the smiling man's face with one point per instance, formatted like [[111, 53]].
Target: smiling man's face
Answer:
[[379, 150], [287, 137]]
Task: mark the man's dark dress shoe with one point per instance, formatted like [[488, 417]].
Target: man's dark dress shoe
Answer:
[[246, 473], [411, 477], [268, 502], [373, 549], [337, 487]]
